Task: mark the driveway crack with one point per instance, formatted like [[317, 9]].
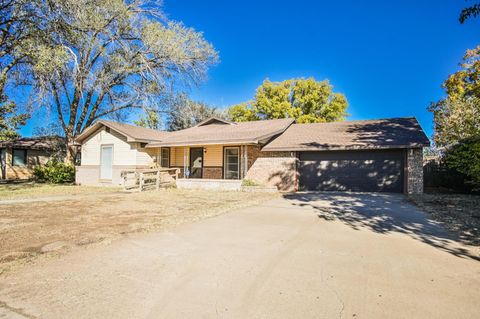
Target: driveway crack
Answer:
[[17, 311]]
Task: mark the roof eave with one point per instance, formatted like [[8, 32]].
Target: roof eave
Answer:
[[200, 143], [343, 148]]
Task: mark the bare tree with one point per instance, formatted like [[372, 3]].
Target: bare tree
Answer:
[[107, 57]]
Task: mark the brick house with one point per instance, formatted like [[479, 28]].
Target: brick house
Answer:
[[374, 155]]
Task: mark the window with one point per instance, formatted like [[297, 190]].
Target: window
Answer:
[[165, 157], [231, 162], [19, 157]]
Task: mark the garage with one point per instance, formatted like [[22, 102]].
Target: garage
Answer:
[[357, 171], [382, 155]]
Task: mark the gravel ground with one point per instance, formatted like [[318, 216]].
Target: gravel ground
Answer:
[[458, 213]]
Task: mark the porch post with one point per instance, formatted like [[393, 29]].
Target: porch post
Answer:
[[245, 165]]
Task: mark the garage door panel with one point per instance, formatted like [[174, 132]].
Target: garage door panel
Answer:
[[362, 171]]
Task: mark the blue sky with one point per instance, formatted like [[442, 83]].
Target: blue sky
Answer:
[[388, 57]]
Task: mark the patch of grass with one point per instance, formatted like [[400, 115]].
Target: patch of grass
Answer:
[[32, 190], [249, 182]]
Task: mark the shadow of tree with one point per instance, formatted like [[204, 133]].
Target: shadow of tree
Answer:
[[380, 171], [391, 132], [383, 214]]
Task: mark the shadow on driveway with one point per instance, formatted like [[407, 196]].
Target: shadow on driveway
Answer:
[[383, 214]]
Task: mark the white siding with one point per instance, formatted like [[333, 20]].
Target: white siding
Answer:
[[146, 156], [124, 153]]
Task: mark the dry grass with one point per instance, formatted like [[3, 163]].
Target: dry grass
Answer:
[[26, 227], [35, 190], [458, 213]]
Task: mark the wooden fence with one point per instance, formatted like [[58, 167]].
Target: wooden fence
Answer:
[[148, 179]]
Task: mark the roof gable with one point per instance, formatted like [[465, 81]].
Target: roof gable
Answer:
[[215, 120], [131, 132]]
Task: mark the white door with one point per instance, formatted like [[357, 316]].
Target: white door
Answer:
[[106, 162]]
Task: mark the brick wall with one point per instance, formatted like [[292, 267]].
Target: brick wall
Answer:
[[272, 168], [415, 171], [212, 172]]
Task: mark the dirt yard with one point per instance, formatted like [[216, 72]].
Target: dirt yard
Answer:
[[36, 190], [458, 213], [51, 227]]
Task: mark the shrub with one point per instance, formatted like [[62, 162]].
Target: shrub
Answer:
[[55, 172], [464, 157], [249, 182]]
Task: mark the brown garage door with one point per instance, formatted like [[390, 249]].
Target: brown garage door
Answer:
[[357, 171]]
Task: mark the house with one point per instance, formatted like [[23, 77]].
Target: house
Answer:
[[18, 157], [374, 155]]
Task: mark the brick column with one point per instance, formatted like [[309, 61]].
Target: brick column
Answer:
[[414, 171]]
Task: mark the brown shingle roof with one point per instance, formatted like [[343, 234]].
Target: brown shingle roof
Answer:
[[131, 132], [225, 133], [368, 134], [39, 143]]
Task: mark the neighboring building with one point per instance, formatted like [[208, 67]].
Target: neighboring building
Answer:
[[18, 157], [375, 155]]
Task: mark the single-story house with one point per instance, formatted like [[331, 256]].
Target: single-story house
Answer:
[[374, 155], [18, 157]]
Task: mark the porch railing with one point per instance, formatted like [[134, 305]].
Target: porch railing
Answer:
[[148, 179]]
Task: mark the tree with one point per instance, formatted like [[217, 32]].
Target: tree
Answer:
[[151, 119], [457, 116], [106, 57], [10, 121], [306, 100], [15, 27], [464, 157], [242, 112], [470, 12], [186, 113]]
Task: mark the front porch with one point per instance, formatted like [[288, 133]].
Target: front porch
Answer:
[[218, 162]]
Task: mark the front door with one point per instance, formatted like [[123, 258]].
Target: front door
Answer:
[[3, 162], [106, 162], [196, 162]]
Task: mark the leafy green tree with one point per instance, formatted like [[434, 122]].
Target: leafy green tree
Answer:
[[306, 100], [10, 120], [185, 113], [242, 112], [464, 157], [15, 27], [457, 116], [104, 58]]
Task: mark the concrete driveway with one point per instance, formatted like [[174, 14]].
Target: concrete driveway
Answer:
[[301, 256]]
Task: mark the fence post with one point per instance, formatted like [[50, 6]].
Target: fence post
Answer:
[[141, 181], [158, 180]]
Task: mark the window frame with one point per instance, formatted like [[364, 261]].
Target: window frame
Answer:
[[225, 162], [167, 158], [24, 157]]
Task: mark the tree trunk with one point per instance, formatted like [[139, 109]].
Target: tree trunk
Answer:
[[71, 151]]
